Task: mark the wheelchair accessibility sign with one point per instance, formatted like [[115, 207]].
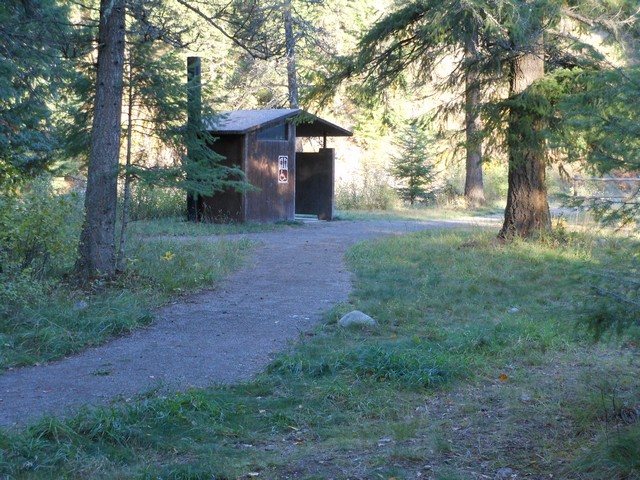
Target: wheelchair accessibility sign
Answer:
[[283, 169]]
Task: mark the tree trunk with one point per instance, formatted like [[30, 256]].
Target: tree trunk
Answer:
[[97, 240], [473, 186], [290, 45], [527, 210], [194, 125], [126, 196]]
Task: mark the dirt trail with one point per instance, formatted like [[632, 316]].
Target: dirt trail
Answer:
[[223, 335]]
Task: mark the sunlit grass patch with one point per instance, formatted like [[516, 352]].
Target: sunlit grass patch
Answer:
[[182, 266]]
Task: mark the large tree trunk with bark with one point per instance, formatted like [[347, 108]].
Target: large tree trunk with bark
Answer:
[[473, 186], [527, 210], [97, 240]]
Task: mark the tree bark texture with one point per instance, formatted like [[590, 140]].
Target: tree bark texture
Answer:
[[290, 45], [473, 185], [527, 210], [97, 240]]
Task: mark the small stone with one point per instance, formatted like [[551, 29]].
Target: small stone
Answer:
[[504, 473], [357, 318], [514, 310], [81, 305]]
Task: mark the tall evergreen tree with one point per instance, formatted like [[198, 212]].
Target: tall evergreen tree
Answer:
[[34, 38], [511, 37], [527, 208], [416, 37]]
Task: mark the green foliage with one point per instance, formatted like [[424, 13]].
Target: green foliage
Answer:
[[39, 230], [370, 191], [599, 115], [614, 306], [153, 203], [412, 167], [32, 72]]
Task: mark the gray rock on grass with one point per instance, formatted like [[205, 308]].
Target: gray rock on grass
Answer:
[[357, 318]]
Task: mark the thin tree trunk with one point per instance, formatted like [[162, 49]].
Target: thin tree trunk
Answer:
[[97, 240], [194, 124], [473, 186], [126, 201], [290, 45], [527, 210]]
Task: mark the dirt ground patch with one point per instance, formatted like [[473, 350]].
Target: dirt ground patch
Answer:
[[223, 335]]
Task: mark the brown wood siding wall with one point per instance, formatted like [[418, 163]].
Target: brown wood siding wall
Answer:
[[225, 206], [274, 201]]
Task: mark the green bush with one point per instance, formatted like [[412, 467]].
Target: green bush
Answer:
[[39, 230], [18, 291], [148, 203], [370, 191]]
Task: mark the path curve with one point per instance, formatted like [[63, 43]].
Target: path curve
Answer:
[[224, 335]]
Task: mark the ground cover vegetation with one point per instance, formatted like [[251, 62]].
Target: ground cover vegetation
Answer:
[[45, 316], [500, 381]]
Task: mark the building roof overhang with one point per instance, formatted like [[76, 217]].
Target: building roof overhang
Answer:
[[241, 122]]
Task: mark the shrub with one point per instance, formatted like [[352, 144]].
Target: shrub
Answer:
[[39, 230], [149, 202], [369, 191]]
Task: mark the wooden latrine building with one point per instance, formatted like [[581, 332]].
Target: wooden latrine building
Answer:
[[262, 143]]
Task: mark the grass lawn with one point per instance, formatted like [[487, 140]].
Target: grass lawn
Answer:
[[478, 369], [174, 226], [58, 319]]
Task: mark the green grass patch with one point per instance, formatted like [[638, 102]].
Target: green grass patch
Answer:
[[61, 320], [417, 213], [480, 366], [179, 227]]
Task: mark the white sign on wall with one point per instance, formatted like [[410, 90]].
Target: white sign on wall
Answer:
[[283, 169]]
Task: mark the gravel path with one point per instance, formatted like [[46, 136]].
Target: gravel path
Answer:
[[223, 335]]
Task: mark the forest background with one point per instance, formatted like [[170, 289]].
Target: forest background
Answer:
[[344, 61]]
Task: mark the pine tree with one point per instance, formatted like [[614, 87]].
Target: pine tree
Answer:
[[34, 37], [527, 209], [416, 37], [412, 166], [512, 49]]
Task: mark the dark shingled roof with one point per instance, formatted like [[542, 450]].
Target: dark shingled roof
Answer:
[[240, 122]]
